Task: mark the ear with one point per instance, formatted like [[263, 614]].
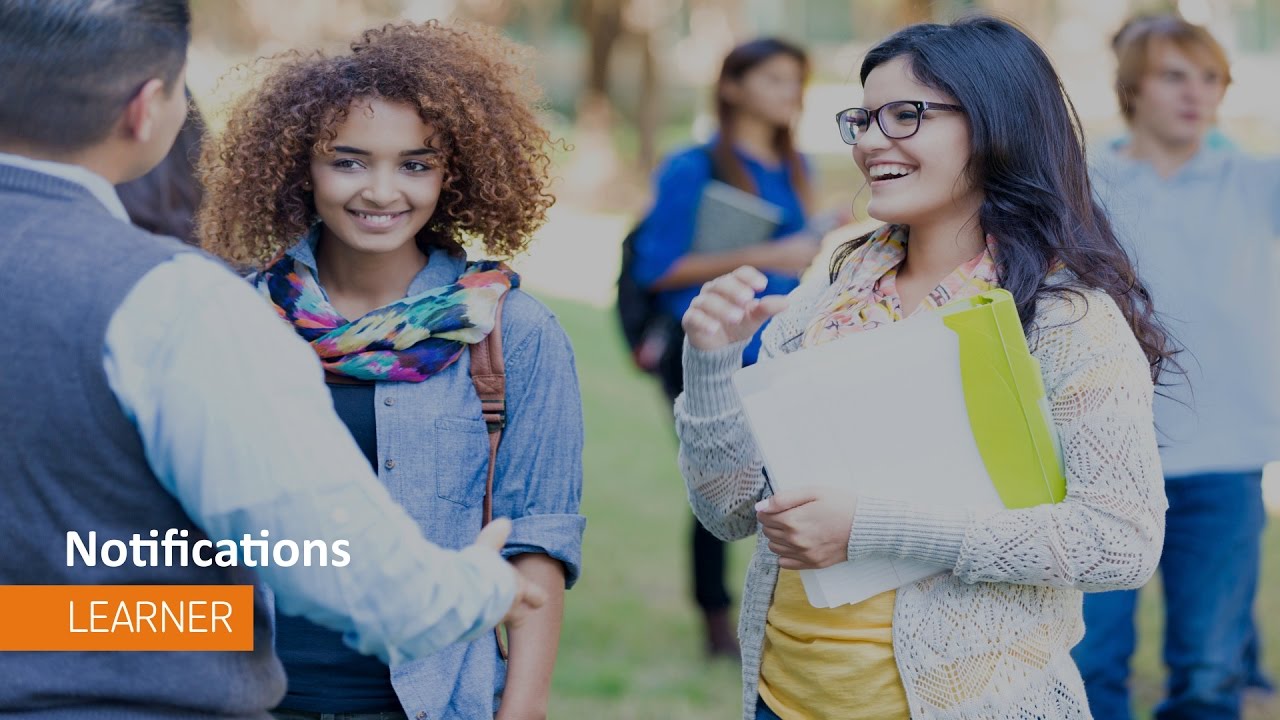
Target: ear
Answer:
[[139, 119]]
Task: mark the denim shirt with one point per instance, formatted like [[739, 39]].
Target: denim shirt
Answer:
[[433, 453]]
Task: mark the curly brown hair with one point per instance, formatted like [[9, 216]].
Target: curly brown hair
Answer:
[[469, 83]]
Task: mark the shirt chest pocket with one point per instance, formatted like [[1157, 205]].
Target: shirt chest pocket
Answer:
[[459, 459]]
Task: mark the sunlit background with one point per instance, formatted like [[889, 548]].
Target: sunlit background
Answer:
[[628, 81]]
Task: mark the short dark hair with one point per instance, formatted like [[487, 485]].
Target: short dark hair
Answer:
[[70, 66]]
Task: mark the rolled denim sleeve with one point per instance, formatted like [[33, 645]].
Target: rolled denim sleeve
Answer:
[[538, 482], [236, 423]]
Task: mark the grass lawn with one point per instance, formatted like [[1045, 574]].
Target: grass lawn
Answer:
[[631, 646]]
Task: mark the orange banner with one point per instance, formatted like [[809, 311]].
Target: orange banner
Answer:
[[126, 617]]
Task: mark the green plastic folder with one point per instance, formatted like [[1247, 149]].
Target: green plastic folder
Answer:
[[1005, 398]]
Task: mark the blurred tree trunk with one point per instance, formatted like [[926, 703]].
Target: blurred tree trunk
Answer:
[[649, 111], [601, 21], [595, 163]]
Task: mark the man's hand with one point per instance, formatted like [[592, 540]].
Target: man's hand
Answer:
[[808, 528], [529, 596]]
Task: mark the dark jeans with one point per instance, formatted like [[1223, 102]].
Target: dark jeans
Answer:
[[763, 712], [301, 715], [1209, 573], [708, 566]]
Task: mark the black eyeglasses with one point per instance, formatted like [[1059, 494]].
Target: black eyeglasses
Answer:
[[903, 119]]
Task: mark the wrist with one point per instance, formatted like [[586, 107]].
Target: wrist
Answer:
[[760, 256]]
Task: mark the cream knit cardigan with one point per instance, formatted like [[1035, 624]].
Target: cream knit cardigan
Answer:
[[990, 639]]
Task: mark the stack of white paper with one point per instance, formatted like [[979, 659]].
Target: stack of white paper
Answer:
[[881, 413]]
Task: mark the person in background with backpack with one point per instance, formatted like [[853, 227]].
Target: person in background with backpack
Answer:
[[349, 180], [757, 98]]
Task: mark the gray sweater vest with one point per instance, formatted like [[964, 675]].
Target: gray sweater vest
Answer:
[[71, 461]]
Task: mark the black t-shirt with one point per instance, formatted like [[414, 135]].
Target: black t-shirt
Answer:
[[325, 675]]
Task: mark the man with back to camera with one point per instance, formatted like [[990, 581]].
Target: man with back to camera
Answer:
[[149, 387], [1204, 226]]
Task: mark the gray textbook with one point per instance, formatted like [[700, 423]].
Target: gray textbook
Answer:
[[732, 219]]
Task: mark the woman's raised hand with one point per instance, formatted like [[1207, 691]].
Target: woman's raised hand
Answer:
[[727, 311]]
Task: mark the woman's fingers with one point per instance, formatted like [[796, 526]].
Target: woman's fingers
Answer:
[[726, 310], [701, 328], [787, 563], [782, 549], [768, 306], [732, 288], [750, 277], [783, 534]]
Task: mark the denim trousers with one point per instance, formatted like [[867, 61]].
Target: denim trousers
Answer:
[[1209, 574], [763, 712]]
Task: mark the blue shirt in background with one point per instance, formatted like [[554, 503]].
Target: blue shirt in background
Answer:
[[1206, 242], [667, 232]]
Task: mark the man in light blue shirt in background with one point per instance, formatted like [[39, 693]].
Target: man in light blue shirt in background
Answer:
[[144, 386], [1203, 225]]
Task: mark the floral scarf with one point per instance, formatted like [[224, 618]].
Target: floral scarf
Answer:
[[407, 341], [864, 294]]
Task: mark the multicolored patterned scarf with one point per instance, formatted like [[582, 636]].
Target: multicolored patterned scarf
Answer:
[[406, 341], [864, 294]]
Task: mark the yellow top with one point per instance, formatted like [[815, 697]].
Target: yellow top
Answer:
[[832, 663]]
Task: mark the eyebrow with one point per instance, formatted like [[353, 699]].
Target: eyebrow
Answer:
[[348, 150]]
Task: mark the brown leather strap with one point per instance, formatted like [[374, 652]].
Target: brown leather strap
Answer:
[[489, 376]]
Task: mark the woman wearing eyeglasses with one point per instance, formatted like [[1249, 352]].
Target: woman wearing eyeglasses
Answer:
[[975, 164], [757, 100]]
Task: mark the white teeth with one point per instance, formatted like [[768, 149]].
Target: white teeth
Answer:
[[378, 219], [884, 170]]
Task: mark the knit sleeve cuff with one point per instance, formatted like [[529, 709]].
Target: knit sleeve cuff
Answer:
[[933, 534], [708, 379]]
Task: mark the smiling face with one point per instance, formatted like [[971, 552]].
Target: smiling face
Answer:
[[379, 185], [919, 179]]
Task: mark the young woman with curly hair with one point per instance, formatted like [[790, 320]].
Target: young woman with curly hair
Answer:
[[351, 182]]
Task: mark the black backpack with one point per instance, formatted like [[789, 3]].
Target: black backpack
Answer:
[[647, 329], [644, 326]]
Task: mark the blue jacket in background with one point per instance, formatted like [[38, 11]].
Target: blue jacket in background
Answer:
[[667, 232]]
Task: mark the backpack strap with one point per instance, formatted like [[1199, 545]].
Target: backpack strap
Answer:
[[489, 376]]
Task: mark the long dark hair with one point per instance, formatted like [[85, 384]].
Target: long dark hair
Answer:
[[1028, 158], [740, 61]]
